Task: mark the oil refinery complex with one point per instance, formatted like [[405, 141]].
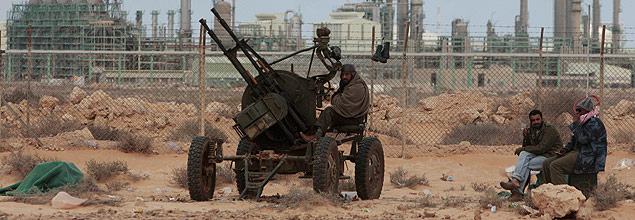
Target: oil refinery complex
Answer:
[[117, 45]]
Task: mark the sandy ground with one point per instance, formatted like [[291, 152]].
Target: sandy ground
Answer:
[[153, 194]]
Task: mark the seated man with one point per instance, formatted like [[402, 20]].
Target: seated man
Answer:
[[349, 103], [540, 142], [585, 152]]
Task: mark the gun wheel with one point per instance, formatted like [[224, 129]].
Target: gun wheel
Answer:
[[243, 149], [369, 169], [201, 174], [326, 169]]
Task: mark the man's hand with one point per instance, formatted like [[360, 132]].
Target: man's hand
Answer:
[[518, 150], [561, 152], [576, 117], [525, 132]]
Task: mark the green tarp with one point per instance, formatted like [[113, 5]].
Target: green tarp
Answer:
[[46, 176]]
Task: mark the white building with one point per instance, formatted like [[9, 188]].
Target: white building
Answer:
[[350, 31]]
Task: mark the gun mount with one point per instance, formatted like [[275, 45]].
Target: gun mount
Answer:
[[276, 106]]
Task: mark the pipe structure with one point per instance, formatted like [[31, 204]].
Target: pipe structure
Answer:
[[595, 34], [524, 16], [616, 26], [171, 23], [559, 19], [155, 23], [402, 18]]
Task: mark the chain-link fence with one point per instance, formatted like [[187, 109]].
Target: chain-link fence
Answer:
[[419, 103]]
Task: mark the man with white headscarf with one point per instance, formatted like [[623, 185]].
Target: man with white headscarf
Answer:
[[585, 152]]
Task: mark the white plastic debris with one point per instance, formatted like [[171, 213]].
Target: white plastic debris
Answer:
[[510, 171], [350, 196], [65, 201], [227, 190], [624, 164]]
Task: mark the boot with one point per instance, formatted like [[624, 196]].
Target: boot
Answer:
[[377, 57], [385, 52], [516, 196]]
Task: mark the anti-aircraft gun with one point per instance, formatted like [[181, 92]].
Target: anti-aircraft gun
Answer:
[[276, 106]]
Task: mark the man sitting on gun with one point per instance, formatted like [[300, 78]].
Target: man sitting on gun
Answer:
[[540, 142], [349, 104]]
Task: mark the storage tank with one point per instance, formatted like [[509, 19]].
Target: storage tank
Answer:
[[171, 23], [596, 20], [573, 18], [155, 23], [186, 18], [402, 18], [296, 26], [224, 9]]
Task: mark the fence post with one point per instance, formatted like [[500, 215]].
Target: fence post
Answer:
[[513, 71], [48, 69], [9, 73], [201, 79], [372, 77], [151, 69], [602, 71], [28, 82], [453, 63], [469, 72], [542, 32], [183, 68], [558, 69], [404, 91], [90, 69], [119, 71]]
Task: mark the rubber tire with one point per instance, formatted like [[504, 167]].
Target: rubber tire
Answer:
[[326, 164], [200, 181], [368, 181], [243, 148]]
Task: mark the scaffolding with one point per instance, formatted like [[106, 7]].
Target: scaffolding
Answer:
[[68, 26]]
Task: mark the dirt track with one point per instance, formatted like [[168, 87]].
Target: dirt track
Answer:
[[153, 194]]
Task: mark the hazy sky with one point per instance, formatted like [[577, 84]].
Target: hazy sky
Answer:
[[477, 12]]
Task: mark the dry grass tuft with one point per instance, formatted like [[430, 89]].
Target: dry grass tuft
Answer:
[[610, 192], [225, 173], [307, 199], [418, 203], [19, 94], [400, 178], [348, 185], [130, 143], [487, 133], [481, 187], [117, 185], [23, 163], [189, 129], [178, 177], [51, 126], [87, 188], [104, 170], [490, 197], [102, 133]]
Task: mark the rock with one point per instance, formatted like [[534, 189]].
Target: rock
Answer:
[[65, 201], [101, 122], [85, 134], [586, 210], [216, 107], [68, 117], [427, 104], [429, 214], [528, 103], [77, 95], [498, 119], [623, 108], [480, 107], [502, 111], [464, 144], [469, 116], [477, 215], [49, 102], [557, 200], [161, 122]]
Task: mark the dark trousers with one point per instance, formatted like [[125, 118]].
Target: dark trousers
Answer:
[[329, 118], [554, 168]]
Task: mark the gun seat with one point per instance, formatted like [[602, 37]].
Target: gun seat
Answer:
[[348, 128]]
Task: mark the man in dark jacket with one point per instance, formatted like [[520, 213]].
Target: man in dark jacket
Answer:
[[349, 104], [585, 152], [539, 143]]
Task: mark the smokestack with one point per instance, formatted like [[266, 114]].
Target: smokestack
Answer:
[[185, 31], [616, 26], [139, 20], [224, 9], [155, 23], [171, 23], [560, 18], [388, 21], [402, 18], [585, 21], [416, 19], [596, 20], [524, 16], [574, 10]]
